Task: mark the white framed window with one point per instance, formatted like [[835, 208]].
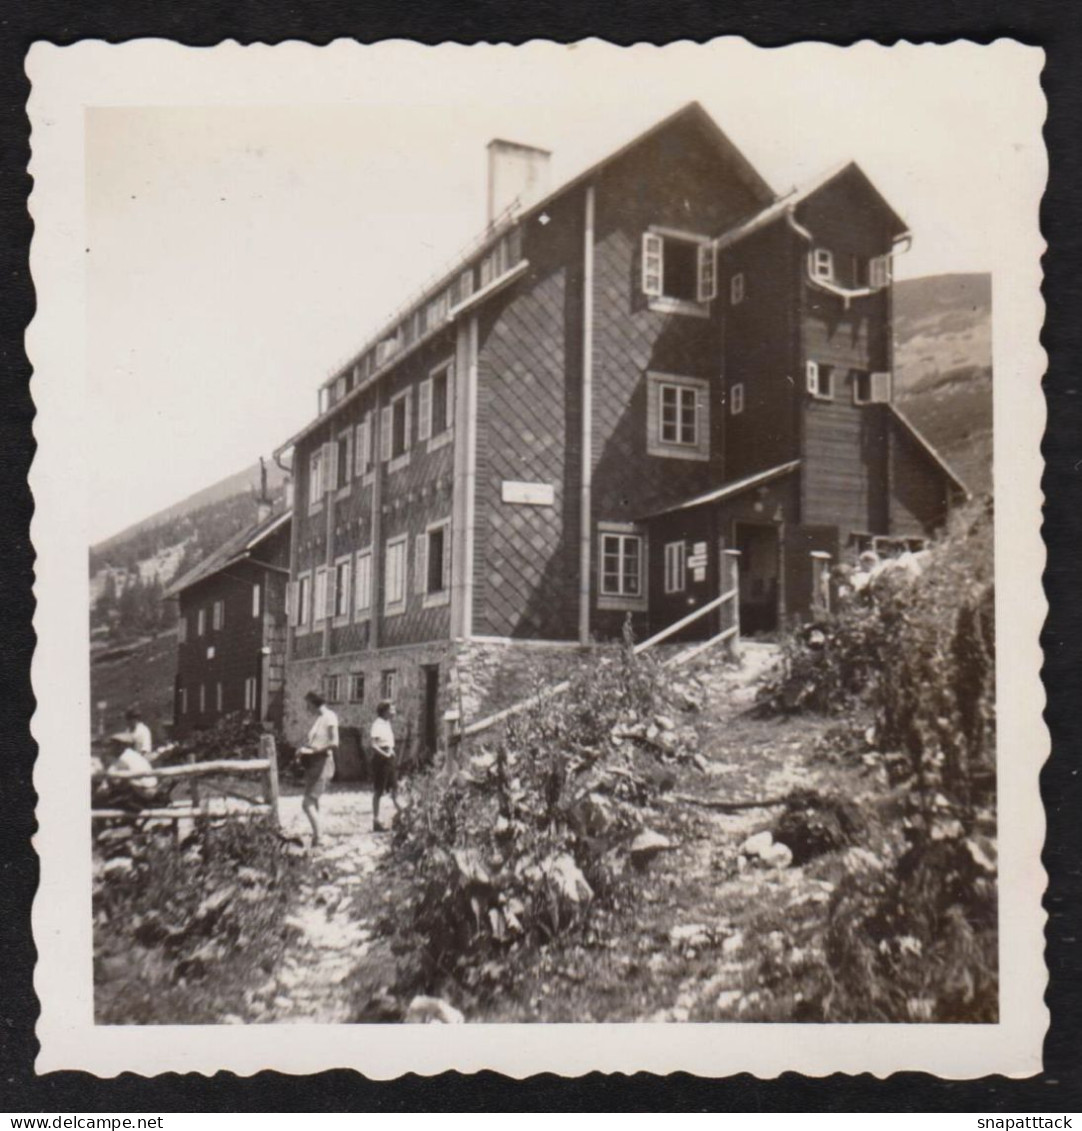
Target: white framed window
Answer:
[[343, 455], [182, 700], [342, 572], [820, 380], [362, 446], [256, 599], [218, 615], [315, 479], [302, 606], [871, 388], [319, 596], [356, 687], [219, 699], [388, 684], [736, 399], [250, 700], [677, 417], [621, 566], [675, 567], [182, 629], [332, 688], [432, 563], [435, 402], [362, 585], [394, 576], [821, 263], [679, 270], [736, 289], [395, 431], [202, 698], [201, 622]]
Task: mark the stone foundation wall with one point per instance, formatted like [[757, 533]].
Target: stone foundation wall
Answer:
[[487, 677]]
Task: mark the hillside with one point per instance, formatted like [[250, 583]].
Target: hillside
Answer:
[[943, 368]]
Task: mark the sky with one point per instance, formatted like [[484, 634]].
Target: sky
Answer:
[[238, 252]]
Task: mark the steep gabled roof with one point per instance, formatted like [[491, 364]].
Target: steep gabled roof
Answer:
[[232, 550], [913, 432], [805, 192], [691, 112]]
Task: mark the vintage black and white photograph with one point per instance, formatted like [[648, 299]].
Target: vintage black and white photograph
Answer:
[[538, 552]]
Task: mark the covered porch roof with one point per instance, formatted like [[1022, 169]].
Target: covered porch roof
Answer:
[[728, 490]]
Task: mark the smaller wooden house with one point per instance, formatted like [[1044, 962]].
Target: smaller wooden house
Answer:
[[231, 629]]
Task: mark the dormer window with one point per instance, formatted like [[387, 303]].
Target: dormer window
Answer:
[[679, 271]]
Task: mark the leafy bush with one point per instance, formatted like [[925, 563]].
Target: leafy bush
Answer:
[[522, 841], [914, 938], [180, 933]]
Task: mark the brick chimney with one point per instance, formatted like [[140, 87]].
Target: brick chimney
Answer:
[[515, 173]]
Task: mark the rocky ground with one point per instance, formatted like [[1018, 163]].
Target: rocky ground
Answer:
[[720, 922]]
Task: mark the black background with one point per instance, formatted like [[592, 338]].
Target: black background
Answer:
[[1057, 28]]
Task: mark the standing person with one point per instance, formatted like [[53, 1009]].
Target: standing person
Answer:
[[384, 776], [318, 755], [141, 741]]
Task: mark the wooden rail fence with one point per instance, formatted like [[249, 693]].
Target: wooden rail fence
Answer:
[[199, 805]]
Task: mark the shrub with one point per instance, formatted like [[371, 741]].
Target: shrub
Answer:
[[522, 841]]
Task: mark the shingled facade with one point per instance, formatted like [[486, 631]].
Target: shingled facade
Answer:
[[657, 362]]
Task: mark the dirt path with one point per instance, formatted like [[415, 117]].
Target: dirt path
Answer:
[[332, 918]]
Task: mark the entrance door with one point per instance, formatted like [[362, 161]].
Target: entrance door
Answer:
[[758, 546], [430, 695]]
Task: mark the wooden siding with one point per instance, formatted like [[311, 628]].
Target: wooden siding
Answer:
[[411, 497], [845, 470], [919, 488], [759, 350]]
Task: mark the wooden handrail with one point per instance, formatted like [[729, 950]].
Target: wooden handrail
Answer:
[[694, 615], [222, 766], [188, 812]]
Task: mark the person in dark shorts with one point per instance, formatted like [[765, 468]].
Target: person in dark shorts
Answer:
[[384, 775], [318, 757]]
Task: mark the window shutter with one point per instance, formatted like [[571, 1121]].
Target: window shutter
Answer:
[[291, 604], [360, 438], [653, 257], [450, 394], [385, 421], [445, 564], [881, 388], [420, 563], [330, 466], [708, 272], [879, 271], [812, 370], [424, 410], [408, 432]]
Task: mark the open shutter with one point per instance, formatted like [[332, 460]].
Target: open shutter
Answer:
[[812, 377], [653, 250], [291, 603], [408, 431], [385, 422], [420, 563], [445, 565], [424, 410], [881, 388], [360, 448], [450, 394], [879, 271], [708, 272], [329, 585], [330, 466]]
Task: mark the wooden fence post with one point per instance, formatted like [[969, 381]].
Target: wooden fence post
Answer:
[[730, 582], [268, 750]]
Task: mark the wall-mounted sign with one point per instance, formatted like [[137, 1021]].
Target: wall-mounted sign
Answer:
[[699, 573], [699, 549], [531, 494]]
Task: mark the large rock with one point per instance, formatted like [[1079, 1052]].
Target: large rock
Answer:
[[648, 844], [567, 878], [432, 1011]]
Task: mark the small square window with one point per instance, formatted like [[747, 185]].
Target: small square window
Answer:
[[822, 264], [820, 380], [736, 289]]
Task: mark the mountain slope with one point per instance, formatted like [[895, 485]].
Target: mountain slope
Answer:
[[943, 368]]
